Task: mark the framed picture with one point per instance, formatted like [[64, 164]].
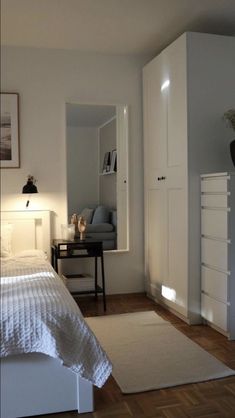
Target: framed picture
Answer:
[[9, 136], [106, 164], [113, 165]]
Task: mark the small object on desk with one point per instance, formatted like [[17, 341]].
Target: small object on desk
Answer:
[[74, 220], [68, 231], [82, 227]]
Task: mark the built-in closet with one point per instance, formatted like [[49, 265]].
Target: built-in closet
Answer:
[[187, 88]]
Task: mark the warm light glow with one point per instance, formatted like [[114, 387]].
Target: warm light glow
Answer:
[[169, 293], [125, 110], [165, 85]]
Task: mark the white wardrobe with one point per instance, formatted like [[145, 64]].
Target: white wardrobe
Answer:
[[186, 88]]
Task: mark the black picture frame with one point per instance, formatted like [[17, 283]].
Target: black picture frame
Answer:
[[106, 163], [113, 164], [9, 123]]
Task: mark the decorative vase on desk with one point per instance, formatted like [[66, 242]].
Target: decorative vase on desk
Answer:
[[68, 232], [74, 221], [229, 116], [82, 227]]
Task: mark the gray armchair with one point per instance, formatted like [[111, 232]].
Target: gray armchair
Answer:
[[102, 226]]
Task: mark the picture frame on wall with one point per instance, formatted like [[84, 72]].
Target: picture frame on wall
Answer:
[[106, 163], [113, 165], [9, 136]]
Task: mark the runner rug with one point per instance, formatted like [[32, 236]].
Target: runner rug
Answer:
[[149, 353]]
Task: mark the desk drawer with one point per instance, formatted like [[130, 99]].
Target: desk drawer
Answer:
[[214, 312], [217, 185], [214, 200], [214, 223], [214, 283], [79, 282], [215, 253]]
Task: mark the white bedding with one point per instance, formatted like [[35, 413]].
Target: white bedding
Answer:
[[39, 315]]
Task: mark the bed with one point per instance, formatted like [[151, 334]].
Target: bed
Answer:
[[50, 359]]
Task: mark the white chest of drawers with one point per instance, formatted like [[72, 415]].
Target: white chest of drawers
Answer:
[[218, 251]]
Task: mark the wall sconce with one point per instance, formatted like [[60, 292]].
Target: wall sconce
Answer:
[[30, 188]]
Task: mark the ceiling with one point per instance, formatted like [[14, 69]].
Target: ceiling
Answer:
[[111, 26], [88, 115]]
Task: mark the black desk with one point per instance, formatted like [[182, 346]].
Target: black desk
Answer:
[[62, 249]]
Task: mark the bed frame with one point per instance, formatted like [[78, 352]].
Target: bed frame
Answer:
[[35, 384]]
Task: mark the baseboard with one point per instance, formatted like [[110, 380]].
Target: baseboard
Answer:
[[216, 328], [191, 319]]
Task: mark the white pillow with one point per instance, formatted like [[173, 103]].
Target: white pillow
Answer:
[[31, 253], [6, 234]]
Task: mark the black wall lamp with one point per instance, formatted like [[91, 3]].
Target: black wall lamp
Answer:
[[30, 188]]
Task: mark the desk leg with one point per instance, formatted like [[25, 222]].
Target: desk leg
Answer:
[[52, 256], [95, 277], [56, 261], [103, 281]]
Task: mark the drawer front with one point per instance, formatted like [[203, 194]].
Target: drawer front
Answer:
[[214, 223], [214, 283], [214, 311], [217, 185], [215, 253], [214, 201]]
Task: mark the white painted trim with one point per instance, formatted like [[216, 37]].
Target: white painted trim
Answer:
[[107, 122]]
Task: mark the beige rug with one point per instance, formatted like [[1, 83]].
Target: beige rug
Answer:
[[149, 353]]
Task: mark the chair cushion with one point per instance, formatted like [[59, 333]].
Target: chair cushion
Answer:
[[101, 215], [102, 236], [100, 227], [87, 213]]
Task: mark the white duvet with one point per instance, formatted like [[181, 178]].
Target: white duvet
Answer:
[[39, 315]]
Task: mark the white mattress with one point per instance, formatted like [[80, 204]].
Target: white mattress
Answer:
[[38, 314]]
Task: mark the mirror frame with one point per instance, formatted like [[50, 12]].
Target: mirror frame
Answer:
[[125, 134]]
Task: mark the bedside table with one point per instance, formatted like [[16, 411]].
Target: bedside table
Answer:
[[63, 249]]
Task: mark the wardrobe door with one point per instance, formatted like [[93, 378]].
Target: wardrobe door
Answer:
[[156, 242], [175, 176], [165, 131], [175, 63], [155, 123], [155, 126]]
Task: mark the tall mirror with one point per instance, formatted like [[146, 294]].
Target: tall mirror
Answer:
[[97, 171]]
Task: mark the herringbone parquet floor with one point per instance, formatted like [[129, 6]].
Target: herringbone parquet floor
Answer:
[[213, 399]]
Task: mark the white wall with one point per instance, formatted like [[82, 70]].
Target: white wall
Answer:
[[82, 168], [45, 80], [211, 91]]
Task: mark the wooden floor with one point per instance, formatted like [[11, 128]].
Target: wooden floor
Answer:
[[202, 400]]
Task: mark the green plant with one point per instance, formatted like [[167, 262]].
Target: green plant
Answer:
[[229, 116]]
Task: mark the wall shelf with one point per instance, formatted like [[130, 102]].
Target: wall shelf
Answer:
[[108, 173]]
